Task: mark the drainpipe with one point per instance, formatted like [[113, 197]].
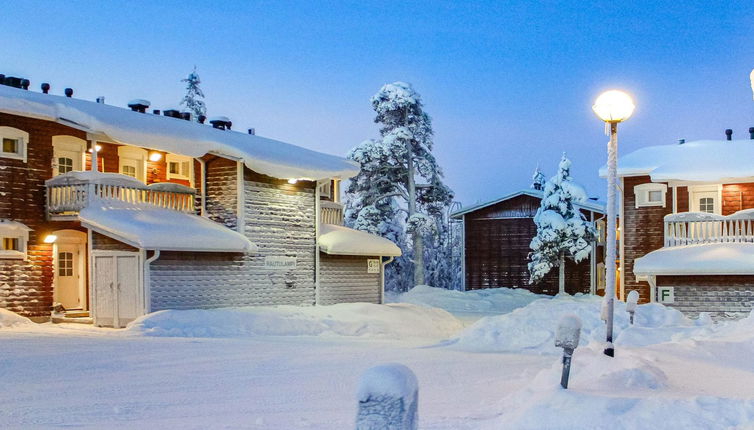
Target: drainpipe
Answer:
[[241, 197], [317, 220], [382, 278], [148, 280], [203, 186]]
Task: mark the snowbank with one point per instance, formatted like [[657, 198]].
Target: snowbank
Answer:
[[340, 240], [531, 329], [11, 319], [488, 301], [703, 259], [394, 321]]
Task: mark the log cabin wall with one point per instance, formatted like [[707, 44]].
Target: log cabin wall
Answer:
[[26, 285], [497, 241], [344, 279]]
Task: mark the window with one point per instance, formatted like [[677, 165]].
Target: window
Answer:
[[132, 161], [325, 190], [705, 198], [707, 204], [13, 239], [13, 143], [68, 154], [65, 264], [650, 194], [180, 167], [65, 165], [128, 170]]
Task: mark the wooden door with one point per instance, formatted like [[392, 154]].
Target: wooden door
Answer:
[[103, 277], [127, 285], [117, 288], [68, 288]]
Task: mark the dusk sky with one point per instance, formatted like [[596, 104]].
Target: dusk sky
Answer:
[[509, 84]]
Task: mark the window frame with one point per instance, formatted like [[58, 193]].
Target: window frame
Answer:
[[713, 191], [15, 134], [175, 158], [138, 156], [15, 231], [71, 147], [642, 193]]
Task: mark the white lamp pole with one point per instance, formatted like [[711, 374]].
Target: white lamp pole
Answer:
[[612, 107]]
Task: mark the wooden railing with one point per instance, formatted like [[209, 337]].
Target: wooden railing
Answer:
[[67, 195], [331, 212], [691, 228]]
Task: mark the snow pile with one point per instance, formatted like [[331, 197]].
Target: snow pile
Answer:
[[703, 259], [393, 380], [486, 301], [395, 321], [11, 319], [531, 329], [339, 240]]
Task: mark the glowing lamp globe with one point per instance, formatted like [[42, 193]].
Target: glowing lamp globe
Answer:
[[613, 106]]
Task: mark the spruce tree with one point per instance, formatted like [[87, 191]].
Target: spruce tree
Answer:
[[538, 180], [562, 230], [192, 99]]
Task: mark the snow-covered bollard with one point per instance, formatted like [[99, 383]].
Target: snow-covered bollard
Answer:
[[567, 337], [388, 399], [631, 302]]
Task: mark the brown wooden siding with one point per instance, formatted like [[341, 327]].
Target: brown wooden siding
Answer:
[[737, 197], [106, 243], [682, 194]]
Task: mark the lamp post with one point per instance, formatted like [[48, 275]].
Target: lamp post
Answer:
[[612, 107]]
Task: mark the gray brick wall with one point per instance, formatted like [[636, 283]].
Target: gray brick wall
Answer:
[[723, 297]]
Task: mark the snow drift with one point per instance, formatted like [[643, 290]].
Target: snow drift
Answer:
[[11, 319], [393, 321], [532, 328], [487, 301]]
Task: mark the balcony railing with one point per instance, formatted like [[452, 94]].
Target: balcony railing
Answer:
[[67, 194], [691, 228], [331, 212]]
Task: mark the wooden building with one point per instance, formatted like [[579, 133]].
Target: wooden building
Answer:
[[113, 213], [496, 238]]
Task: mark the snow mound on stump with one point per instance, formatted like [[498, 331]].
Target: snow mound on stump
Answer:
[[11, 319], [487, 301], [394, 321], [532, 328]]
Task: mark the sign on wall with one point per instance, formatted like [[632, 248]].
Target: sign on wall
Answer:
[[665, 295], [273, 262], [373, 265]]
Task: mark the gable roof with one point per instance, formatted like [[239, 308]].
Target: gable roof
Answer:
[[700, 161], [590, 205], [267, 156]]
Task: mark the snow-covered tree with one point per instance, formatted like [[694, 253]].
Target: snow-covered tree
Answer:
[[400, 168], [538, 180], [192, 99], [562, 230]]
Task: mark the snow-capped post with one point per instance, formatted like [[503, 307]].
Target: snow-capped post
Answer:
[[388, 399], [567, 337], [612, 107], [562, 230], [631, 302]]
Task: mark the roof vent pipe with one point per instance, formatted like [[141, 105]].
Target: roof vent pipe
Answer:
[[751, 133], [201, 119], [156, 111], [139, 105], [25, 84], [681, 141], [171, 113], [13, 81], [220, 122], [186, 116], [252, 131], [101, 100], [45, 87], [69, 92], [728, 134]]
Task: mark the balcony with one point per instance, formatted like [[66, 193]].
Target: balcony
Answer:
[[331, 212], [69, 193], [693, 228]]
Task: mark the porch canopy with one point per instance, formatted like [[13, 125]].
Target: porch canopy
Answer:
[[339, 240], [150, 227], [702, 259]]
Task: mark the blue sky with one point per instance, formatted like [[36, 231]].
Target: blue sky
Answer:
[[509, 84]]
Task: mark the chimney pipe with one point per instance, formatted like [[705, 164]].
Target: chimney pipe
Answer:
[[69, 92], [45, 87], [729, 134], [186, 116], [172, 113], [252, 131], [201, 119], [25, 84], [101, 100], [681, 141], [139, 105], [751, 133], [156, 111], [220, 122]]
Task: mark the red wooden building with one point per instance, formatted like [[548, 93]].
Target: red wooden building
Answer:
[[496, 238]]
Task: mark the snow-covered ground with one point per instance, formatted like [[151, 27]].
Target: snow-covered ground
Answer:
[[284, 367]]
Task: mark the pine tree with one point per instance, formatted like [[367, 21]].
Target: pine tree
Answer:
[[562, 230], [390, 168], [193, 95], [538, 180]]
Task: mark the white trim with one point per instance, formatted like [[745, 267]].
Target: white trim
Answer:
[[675, 199], [203, 186], [138, 156], [147, 302], [22, 139], [317, 216], [14, 230], [240, 198], [180, 159], [67, 143], [140, 286], [642, 192], [622, 250], [716, 188], [71, 237]]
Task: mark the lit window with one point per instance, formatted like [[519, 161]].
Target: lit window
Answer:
[[650, 194], [11, 244], [65, 165], [13, 143], [128, 170], [179, 167], [13, 239], [65, 264]]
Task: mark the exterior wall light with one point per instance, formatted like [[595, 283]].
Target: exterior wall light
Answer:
[[292, 181], [155, 156], [50, 238], [97, 147]]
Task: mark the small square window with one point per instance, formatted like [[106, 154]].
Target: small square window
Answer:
[[175, 168], [655, 196], [11, 244], [128, 170], [65, 165], [10, 146]]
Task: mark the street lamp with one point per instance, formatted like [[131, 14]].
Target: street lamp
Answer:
[[612, 107]]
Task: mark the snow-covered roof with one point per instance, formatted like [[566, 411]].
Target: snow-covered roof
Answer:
[[704, 259], [339, 240], [700, 161], [589, 205], [13, 227], [178, 136], [150, 227]]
